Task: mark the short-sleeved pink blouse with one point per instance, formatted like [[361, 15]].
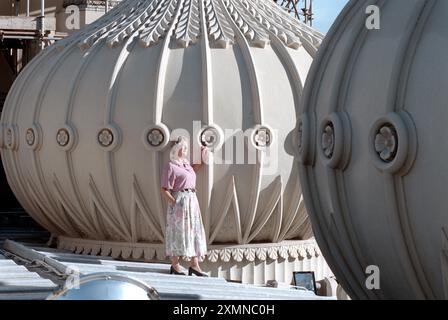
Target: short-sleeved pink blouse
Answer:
[[177, 177]]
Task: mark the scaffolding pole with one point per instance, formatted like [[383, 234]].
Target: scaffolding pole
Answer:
[[42, 22], [301, 9]]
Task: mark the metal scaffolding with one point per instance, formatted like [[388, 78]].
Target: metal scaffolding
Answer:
[[300, 9]]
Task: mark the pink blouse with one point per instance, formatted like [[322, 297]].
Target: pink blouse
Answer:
[[178, 177]]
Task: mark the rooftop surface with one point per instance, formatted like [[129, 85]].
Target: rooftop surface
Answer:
[[34, 271]]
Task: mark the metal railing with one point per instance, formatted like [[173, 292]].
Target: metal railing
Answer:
[[94, 3]]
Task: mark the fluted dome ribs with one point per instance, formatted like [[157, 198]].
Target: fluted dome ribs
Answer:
[[150, 21]]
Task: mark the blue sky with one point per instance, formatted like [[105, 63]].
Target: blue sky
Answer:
[[325, 12]]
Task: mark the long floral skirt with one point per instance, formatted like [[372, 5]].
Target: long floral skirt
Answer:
[[185, 235]]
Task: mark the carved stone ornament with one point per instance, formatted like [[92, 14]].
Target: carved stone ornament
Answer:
[[9, 138], [386, 143], [30, 136], [156, 137], [63, 137], [328, 138], [105, 137], [211, 137]]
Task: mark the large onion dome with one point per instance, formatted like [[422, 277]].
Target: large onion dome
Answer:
[[373, 152], [87, 124]]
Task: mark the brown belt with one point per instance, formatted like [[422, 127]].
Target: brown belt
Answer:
[[188, 190]]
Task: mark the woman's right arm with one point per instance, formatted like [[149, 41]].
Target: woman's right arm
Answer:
[[167, 194]]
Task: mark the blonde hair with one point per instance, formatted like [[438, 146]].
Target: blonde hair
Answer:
[[178, 145]]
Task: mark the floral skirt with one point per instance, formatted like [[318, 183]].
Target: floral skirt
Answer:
[[185, 235]]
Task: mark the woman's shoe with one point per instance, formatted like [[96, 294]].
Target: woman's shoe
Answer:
[[197, 273], [173, 271]]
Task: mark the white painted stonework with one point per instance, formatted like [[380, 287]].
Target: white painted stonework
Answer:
[[252, 263], [373, 149], [86, 127]]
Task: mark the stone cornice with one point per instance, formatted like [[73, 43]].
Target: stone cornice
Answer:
[[297, 249]]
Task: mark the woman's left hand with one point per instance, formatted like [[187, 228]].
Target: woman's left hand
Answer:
[[204, 151], [204, 155]]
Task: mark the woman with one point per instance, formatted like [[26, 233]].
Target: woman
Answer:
[[185, 235]]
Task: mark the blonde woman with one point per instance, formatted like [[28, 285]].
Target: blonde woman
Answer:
[[185, 235]]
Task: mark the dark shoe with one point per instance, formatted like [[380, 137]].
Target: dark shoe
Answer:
[[173, 271], [196, 273]]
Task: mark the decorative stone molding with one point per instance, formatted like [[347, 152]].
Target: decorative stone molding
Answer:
[[150, 21], [211, 137], [300, 249], [262, 137], [11, 142], [220, 32], [335, 140], [328, 138], [284, 250], [188, 28], [63, 137], [66, 137], [302, 139], [105, 137], [109, 137], [156, 137], [30, 136], [33, 137], [253, 264], [386, 143], [393, 143]]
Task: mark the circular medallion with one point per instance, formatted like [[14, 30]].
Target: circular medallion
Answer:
[[262, 137], [30, 137], [105, 137], [155, 137], [327, 142], [63, 137]]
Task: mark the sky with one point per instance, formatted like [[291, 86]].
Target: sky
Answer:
[[325, 12]]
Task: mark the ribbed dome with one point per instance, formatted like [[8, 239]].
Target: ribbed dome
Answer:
[[373, 148], [87, 123]]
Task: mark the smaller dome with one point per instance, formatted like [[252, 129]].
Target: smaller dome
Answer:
[[106, 286]]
